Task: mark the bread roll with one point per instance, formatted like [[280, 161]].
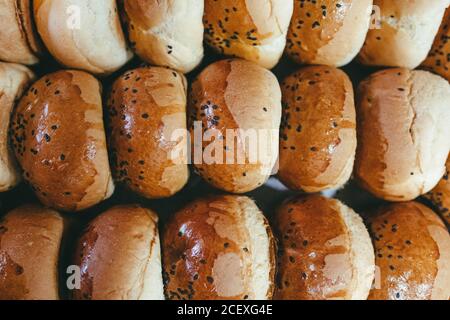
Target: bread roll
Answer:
[[438, 59], [440, 195], [14, 79], [318, 131], [83, 34], [59, 140], [238, 104], [402, 133], [219, 248], [167, 33], [119, 256], [325, 251], [19, 42], [404, 33], [412, 249], [147, 107], [329, 32], [254, 30], [30, 240]]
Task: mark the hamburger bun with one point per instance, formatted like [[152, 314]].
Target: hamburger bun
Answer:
[[325, 251], [403, 133], [412, 249], [438, 60], [147, 107], [30, 241], [19, 42], [219, 248], [318, 130], [440, 195], [249, 29], [14, 80], [83, 34], [59, 140], [404, 34], [329, 32], [238, 105], [166, 33], [119, 257]]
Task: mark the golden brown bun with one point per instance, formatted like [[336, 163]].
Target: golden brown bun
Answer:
[[30, 240], [403, 132], [14, 79], [254, 30], [412, 248], [147, 106], [329, 32], [59, 140], [318, 131], [83, 34], [167, 32], [325, 251], [405, 32], [244, 98], [19, 42], [440, 196], [119, 256], [219, 248], [438, 60]]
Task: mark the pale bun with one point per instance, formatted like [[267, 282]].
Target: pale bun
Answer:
[[19, 42], [325, 251], [438, 60], [328, 32], [83, 34], [249, 29], [318, 130], [147, 156], [30, 241], [440, 195], [412, 249], [166, 33], [237, 98], [14, 80], [119, 255], [404, 32], [59, 140], [219, 248], [403, 132]]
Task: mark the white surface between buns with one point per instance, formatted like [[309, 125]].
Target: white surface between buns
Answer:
[[362, 253], [261, 264]]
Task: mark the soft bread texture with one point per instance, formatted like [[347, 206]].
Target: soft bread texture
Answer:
[[438, 60], [119, 256], [14, 79], [166, 33], [83, 34], [440, 195], [219, 248], [318, 130], [325, 251], [147, 107], [404, 33], [19, 42], [59, 140], [235, 98], [403, 132], [30, 240], [412, 248], [254, 30], [328, 32]]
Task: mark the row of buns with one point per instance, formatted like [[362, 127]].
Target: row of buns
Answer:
[[394, 138], [222, 247], [83, 34]]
